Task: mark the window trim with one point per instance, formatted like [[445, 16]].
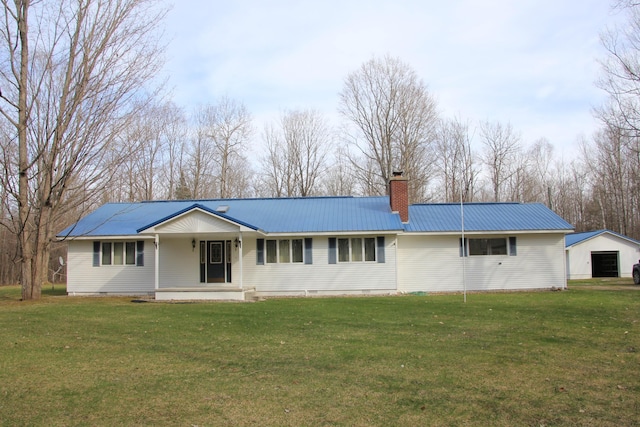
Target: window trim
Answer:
[[131, 250], [366, 244], [274, 248], [509, 245]]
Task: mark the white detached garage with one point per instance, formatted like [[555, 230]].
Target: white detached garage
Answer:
[[600, 253]]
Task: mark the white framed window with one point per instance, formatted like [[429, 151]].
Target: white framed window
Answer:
[[130, 249], [297, 250], [285, 251], [357, 249], [492, 246], [106, 253], [272, 251], [118, 253]]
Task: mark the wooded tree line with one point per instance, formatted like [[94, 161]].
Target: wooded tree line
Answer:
[[82, 124]]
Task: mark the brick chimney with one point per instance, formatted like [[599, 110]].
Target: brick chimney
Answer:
[[399, 195]]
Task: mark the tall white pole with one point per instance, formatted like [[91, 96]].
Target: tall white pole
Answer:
[[156, 267], [464, 249]]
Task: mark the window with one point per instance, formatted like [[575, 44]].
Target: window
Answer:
[[296, 250], [343, 250], [285, 255], [496, 246], [117, 253], [286, 251], [272, 251], [106, 253], [131, 253], [215, 253], [357, 249], [370, 249], [512, 246]]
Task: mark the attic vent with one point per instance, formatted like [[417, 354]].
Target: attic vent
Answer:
[[222, 208]]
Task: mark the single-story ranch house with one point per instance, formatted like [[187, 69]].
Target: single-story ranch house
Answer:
[[224, 249], [600, 253]]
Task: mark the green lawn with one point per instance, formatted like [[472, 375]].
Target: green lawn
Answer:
[[501, 359]]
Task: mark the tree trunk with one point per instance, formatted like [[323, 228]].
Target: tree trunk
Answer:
[[25, 230]]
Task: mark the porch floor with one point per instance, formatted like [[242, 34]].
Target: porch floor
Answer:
[[218, 293]]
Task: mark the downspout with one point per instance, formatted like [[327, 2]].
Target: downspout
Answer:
[[156, 244]]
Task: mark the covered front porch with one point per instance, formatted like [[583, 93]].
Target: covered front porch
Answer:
[[199, 256]]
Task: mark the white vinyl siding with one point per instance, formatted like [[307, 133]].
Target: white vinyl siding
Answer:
[[84, 278], [434, 264], [296, 278]]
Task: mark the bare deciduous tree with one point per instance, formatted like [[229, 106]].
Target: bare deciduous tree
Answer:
[[199, 164], [539, 164], [621, 72], [394, 117], [613, 168], [68, 77], [153, 142], [226, 128], [215, 162], [339, 181], [296, 155], [455, 160], [501, 146]]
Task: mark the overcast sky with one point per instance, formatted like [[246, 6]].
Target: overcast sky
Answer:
[[532, 63]]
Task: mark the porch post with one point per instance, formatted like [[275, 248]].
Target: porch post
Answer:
[[240, 257], [156, 244]]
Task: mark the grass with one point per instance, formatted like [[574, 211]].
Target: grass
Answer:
[[523, 359], [626, 282]]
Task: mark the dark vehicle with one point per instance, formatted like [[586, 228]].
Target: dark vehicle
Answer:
[[636, 273]]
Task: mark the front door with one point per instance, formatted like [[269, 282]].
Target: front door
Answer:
[[215, 261]]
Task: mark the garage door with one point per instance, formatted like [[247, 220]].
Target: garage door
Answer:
[[604, 264]]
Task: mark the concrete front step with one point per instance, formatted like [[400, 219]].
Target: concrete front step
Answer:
[[205, 294]]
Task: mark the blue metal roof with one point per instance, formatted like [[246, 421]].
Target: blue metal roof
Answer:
[[321, 214], [575, 238], [283, 215], [446, 217]]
